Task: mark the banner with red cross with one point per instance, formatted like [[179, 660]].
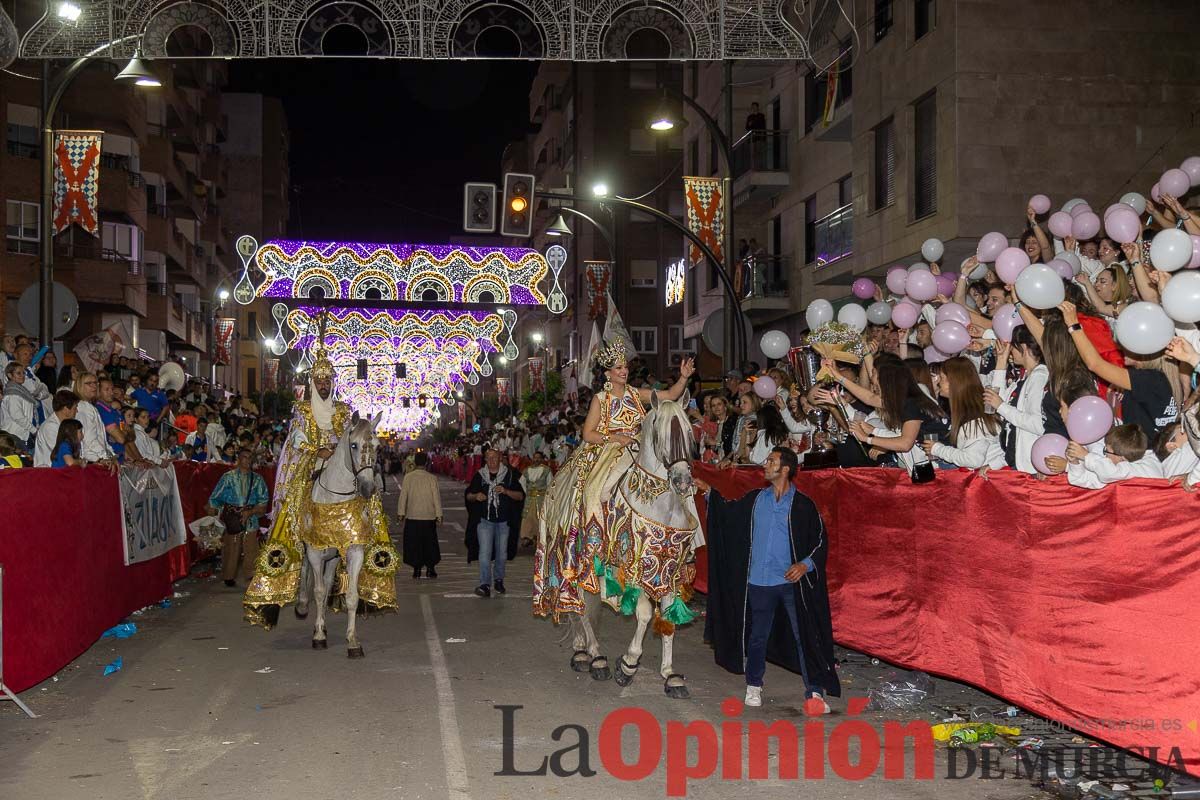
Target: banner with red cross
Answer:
[[502, 391], [537, 373], [705, 215], [223, 329], [598, 274], [77, 180], [270, 373]]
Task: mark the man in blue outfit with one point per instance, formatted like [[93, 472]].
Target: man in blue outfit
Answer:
[[151, 398]]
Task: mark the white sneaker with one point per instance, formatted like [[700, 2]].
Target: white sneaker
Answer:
[[816, 705], [754, 696]]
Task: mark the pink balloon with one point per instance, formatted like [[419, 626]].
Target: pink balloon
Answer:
[[1082, 208], [765, 387], [990, 246], [1064, 270], [1005, 320], [1123, 224], [953, 312], [897, 279], [1191, 166], [1085, 226], [1049, 444], [1114, 207], [945, 285], [1040, 203], [1010, 263], [1089, 419], [1195, 262], [951, 337], [1155, 193], [1175, 182], [905, 315], [863, 288], [952, 275], [933, 355], [921, 286], [1060, 224]]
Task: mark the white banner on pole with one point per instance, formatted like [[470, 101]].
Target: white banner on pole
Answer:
[[151, 512]]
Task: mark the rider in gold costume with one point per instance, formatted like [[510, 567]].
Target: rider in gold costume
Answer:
[[574, 519]]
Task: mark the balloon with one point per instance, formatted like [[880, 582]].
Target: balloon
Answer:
[[818, 313], [1195, 262], [950, 337], [990, 246], [1071, 259], [1174, 182], [1005, 320], [775, 344], [765, 387], [1010, 263], [919, 266], [1112, 208], [1070, 204], [1171, 249], [905, 315], [933, 250], [863, 288], [951, 274], [1123, 224], [1089, 418], [1048, 444], [1144, 328], [879, 313], [1060, 224], [922, 286], [1085, 225], [1040, 287], [1039, 203], [1134, 201], [1062, 268], [945, 285], [854, 315], [1082, 208], [1155, 194], [933, 355], [953, 312], [1181, 297], [897, 279], [977, 273], [1191, 166]]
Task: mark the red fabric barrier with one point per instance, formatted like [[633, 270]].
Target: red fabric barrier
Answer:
[[1077, 605]]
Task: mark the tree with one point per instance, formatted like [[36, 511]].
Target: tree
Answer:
[[534, 403]]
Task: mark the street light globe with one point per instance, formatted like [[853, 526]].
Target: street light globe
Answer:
[[68, 11], [600, 189], [503, 360], [662, 124], [537, 337], [223, 295]]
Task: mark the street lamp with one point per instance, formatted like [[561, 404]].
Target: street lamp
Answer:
[[68, 11], [223, 295], [558, 227], [537, 337], [600, 189], [137, 73]]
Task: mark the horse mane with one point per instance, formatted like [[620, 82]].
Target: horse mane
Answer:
[[659, 429]]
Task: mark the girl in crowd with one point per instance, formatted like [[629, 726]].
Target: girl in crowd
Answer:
[[1109, 292], [907, 413], [770, 432], [974, 433], [66, 446], [1019, 404]]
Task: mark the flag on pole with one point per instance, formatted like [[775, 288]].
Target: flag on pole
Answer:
[[705, 215], [831, 90], [76, 180]]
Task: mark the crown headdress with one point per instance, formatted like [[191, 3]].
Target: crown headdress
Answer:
[[612, 354], [322, 367]]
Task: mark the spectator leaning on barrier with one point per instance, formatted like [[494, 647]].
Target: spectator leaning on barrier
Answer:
[[63, 407], [95, 438], [18, 406], [67, 444]]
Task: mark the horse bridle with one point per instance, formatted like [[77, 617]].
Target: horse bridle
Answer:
[[321, 474]]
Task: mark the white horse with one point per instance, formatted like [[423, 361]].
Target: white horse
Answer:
[[653, 505], [348, 474]]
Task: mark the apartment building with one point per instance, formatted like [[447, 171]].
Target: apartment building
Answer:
[[945, 118]]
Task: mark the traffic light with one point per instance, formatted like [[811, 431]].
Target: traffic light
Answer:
[[479, 208], [421, 399], [518, 205], [401, 371], [361, 369]]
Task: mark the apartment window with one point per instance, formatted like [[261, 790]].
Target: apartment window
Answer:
[[23, 228], [675, 340], [924, 17], [694, 157], [884, 165], [816, 87], [883, 18], [925, 157], [251, 381], [845, 191], [643, 273], [645, 340], [810, 230], [23, 141], [121, 241]]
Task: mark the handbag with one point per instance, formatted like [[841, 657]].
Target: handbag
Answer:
[[231, 516], [922, 472]]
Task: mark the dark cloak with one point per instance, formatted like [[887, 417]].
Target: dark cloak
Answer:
[[511, 510], [729, 542]]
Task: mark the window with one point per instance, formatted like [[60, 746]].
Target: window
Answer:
[[643, 273], [816, 87], [883, 192], [694, 157], [23, 227], [924, 17], [883, 18], [645, 340], [121, 241], [675, 340], [252, 325], [23, 141], [641, 140], [810, 230], [925, 157], [712, 274], [845, 191], [251, 381]]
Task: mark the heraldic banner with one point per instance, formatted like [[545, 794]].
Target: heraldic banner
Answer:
[[223, 329], [537, 373], [151, 512], [76, 180], [271, 373], [502, 385], [705, 215], [598, 273]]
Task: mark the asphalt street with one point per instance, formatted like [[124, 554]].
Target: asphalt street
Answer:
[[209, 707]]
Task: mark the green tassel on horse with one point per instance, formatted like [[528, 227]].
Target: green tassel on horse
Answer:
[[678, 613], [612, 586], [629, 599]]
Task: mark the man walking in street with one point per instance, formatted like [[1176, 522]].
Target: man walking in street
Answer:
[[492, 496], [240, 497], [419, 510]]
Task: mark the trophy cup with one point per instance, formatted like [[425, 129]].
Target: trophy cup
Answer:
[[806, 364]]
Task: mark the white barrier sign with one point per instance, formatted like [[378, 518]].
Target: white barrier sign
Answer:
[[151, 512]]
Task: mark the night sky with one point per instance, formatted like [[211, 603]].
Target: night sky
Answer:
[[380, 149]]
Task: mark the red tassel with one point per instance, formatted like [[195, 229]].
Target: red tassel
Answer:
[[661, 626]]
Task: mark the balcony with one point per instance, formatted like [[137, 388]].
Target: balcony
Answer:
[[760, 169], [101, 277], [122, 192], [164, 312], [763, 283], [834, 236]]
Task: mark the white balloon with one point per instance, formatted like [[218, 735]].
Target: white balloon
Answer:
[[1171, 249], [819, 313], [977, 273], [933, 250], [1072, 259], [854, 315], [1134, 201], [1144, 328], [775, 344], [880, 313], [1181, 297], [920, 265], [1067, 206], [1039, 286]]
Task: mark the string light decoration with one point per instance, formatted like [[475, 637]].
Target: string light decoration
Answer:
[[408, 272]]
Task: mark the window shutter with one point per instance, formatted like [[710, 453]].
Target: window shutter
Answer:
[[885, 164], [925, 151]]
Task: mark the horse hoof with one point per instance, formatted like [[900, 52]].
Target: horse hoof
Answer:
[[624, 678], [600, 671], [580, 664], [301, 614], [677, 692], [320, 644], [355, 652]]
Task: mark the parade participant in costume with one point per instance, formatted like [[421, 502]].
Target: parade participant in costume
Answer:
[[535, 481], [317, 425], [767, 551], [239, 498], [613, 423]]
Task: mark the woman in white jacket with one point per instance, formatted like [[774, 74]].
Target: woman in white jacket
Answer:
[[974, 433], [1019, 404]]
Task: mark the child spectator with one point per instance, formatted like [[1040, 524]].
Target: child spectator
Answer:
[[66, 446], [1124, 457]]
